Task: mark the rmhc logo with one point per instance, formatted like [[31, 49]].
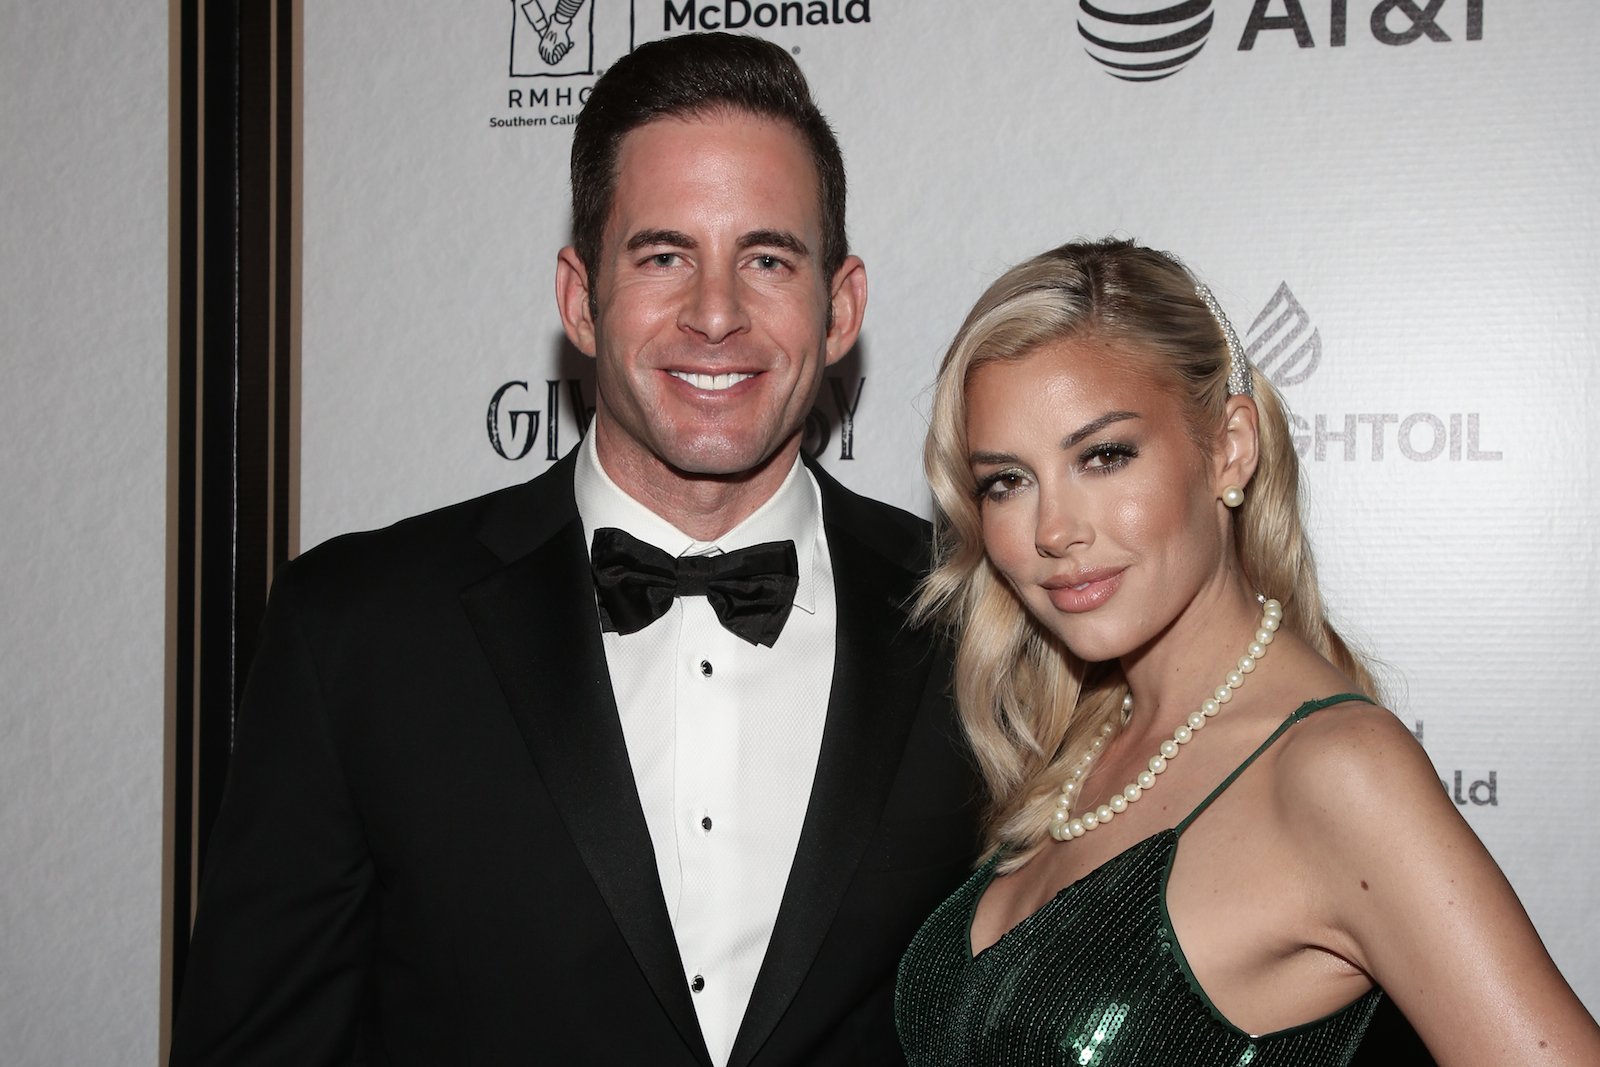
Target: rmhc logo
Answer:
[[566, 44], [563, 38], [1149, 40]]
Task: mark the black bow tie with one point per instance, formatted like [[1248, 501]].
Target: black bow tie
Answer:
[[750, 589]]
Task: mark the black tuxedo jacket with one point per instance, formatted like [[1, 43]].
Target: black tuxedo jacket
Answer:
[[431, 851]]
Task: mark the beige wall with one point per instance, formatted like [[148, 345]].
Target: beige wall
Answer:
[[83, 280]]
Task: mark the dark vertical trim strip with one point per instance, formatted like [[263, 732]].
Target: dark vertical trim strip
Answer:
[[291, 46], [218, 360], [182, 199], [231, 432], [183, 529]]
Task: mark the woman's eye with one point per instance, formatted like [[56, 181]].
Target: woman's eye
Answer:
[[1001, 484], [1107, 457]]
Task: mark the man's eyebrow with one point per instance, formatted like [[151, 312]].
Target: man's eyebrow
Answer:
[[774, 239], [670, 238], [1094, 426]]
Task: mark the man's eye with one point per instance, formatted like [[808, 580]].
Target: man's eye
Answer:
[[664, 259]]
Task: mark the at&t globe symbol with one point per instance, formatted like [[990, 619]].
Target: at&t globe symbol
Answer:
[[1144, 40]]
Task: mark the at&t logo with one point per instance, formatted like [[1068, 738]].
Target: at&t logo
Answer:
[[1144, 42], [1149, 40], [1391, 22], [1284, 346]]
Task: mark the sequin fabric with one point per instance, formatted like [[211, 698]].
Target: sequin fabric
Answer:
[[1095, 976]]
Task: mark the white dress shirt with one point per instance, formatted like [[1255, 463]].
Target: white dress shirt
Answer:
[[723, 737]]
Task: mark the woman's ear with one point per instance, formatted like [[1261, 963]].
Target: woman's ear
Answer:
[[1238, 446]]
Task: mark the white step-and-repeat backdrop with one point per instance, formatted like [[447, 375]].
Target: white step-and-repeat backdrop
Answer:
[[1395, 200]]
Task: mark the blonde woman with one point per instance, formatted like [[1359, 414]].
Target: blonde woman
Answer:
[[1206, 843]]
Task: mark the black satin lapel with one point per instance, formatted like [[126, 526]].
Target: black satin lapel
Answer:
[[878, 680], [537, 623]]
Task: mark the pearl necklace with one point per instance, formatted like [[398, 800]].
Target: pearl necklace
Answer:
[[1064, 825]]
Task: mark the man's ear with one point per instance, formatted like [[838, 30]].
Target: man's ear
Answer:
[[848, 305], [572, 300], [1238, 445]]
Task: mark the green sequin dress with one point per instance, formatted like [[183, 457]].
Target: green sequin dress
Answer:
[[1095, 976]]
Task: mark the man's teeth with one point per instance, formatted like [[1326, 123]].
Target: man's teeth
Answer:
[[710, 382]]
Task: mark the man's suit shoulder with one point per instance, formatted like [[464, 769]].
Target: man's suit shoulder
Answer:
[[448, 548], [897, 535]]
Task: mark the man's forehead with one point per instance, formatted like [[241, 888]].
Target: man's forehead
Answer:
[[716, 114], [695, 125], [667, 147]]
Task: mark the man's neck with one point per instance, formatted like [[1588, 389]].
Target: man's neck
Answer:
[[704, 506]]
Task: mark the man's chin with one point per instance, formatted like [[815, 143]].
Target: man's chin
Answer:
[[726, 461]]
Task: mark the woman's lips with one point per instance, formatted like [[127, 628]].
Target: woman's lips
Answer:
[[1084, 591]]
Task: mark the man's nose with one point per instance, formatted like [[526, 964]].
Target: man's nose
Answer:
[[715, 308]]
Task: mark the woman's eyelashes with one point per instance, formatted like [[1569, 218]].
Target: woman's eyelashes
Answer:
[[1000, 484], [1107, 456]]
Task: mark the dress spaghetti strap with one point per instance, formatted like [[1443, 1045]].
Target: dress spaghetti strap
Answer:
[[1299, 713]]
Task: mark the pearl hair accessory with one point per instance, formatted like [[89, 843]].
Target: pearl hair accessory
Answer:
[[1232, 496], [1240, 381], [1239, 377], [1064, 825]]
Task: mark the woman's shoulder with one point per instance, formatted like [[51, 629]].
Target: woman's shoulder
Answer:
[[1345, 769], [1398, 884], [1337, 741], [1349, 744]]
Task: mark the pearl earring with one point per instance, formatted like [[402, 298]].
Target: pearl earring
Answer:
[[1233, 496]]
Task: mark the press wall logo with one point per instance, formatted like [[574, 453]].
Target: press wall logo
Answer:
[[552, 38], [1479, 792], [559, 47], [1396, 23], [1150, 40], [1283, 344], [514, 419], [691, 16], [1144, 42]]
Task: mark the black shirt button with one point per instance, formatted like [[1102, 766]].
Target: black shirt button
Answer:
[[705, 667], [698, 984], [705, 824]]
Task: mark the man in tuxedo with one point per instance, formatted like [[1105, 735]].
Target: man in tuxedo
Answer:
[[639, 762]]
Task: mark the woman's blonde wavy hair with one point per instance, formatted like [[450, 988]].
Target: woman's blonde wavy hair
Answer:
[[1030, 707]]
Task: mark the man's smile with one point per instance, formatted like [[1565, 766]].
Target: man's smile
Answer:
[[713, 383]]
